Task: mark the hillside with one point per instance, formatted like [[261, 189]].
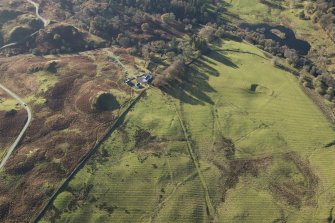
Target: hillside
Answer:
[[256, 157], [167, 111]]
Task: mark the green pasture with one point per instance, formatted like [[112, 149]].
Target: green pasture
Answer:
[[276, 118], [236, 93], [252, 11], [128, 181]]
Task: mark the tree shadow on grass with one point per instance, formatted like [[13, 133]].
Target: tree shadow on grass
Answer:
[[219, 57], [203, 68], [194, 88], [240, 51]]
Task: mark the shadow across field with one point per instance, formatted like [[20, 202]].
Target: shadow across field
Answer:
[[219, 57], [194, 88], [241, 51], [272, 5]]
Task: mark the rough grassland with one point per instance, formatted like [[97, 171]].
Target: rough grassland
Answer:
[[275, 119], [132, 178], [252, 11], [279, 172]]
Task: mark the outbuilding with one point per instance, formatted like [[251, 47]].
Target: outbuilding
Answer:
[[138, 85], [147, 78], [129, 83]]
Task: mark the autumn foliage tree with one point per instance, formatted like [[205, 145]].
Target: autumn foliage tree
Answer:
[[173, 74]]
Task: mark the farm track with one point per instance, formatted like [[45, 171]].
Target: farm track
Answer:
[[115, 58]]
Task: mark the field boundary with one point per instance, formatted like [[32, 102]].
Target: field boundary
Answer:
[[86, 157], [316, 99], [209, 206]]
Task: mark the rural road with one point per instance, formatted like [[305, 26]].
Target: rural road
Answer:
[[45, 23], [17, 140], [8, 45], [37, 6]]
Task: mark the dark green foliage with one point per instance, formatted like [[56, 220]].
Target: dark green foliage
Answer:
[[181, 8], [18, 32], [200, 44], [323, 13]]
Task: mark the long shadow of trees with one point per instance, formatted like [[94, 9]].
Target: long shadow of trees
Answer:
[[220, 58], [194, 88]]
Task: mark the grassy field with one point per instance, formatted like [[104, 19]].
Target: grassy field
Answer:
[[147, 172], [252, 11], [134, 173], [275, 119]]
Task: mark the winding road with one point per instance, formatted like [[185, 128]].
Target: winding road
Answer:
[[37, 6], [45, 23], [18, 139]]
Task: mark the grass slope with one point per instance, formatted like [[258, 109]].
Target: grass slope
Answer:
[[144, 172]]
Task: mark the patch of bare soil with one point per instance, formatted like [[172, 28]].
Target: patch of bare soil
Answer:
[[62, 131], [293, 192], [225, 146], [281, 184], [236, 168]]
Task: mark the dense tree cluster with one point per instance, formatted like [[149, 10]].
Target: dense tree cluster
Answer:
[[323, 13], [172, 75], [166, 31], [258, 38], [179, 9], [145, 19]]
